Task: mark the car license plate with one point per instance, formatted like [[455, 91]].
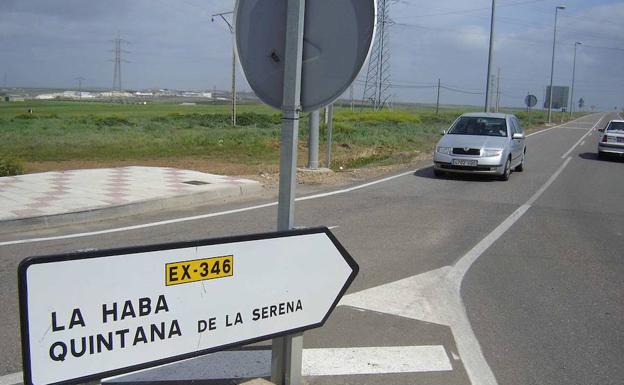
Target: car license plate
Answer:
[[464, 162]]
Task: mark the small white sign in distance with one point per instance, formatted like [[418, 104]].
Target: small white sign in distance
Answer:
[[91, 315], [338, 37]]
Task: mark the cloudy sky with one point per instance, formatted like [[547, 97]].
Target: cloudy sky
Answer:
[[174, 44]]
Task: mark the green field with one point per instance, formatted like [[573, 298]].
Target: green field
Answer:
[[59, 135]]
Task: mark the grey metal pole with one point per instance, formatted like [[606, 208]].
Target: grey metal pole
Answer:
[[490, 58], [576, 44], [231, 27], [498, 90], [286, 353], [233, 82], [552, 66], [330, 129], [313, 140], [351, 96], [438, 99]]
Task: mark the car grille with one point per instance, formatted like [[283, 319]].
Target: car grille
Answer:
[[466, 151]]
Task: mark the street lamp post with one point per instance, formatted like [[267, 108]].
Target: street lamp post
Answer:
[[490, 58], [576, 44], [222, 16], [552, 66]]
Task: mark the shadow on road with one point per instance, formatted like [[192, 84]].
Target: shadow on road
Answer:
[[605, 158], [428, 173]]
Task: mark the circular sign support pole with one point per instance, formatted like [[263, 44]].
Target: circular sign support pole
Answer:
[[286, 355]]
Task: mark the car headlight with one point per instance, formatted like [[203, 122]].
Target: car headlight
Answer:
[[492, 152], [444, 150]]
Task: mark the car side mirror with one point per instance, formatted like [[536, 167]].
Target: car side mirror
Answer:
[[518, 136], [442, 132], [601, 130]]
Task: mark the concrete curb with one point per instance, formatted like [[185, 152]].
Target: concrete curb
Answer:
[[129, 209]]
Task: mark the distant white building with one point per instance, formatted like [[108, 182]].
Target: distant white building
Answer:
[[190, 94], [66, 95], [115, 94], [46, 96]]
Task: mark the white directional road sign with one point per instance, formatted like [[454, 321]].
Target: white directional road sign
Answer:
[[96, 314]]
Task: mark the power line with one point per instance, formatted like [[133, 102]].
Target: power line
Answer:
[[470, 10], [507, 37]]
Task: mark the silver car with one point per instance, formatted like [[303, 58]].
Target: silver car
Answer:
[[612, 141], [482, 143]]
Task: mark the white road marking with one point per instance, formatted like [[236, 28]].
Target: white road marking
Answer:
[[12, 379], [582, 138], [435, 296], [542, 131], [552, 128], [375, 360]]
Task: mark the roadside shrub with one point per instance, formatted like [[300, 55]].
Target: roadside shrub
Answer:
[[202, 120], [111, 121], [25, 116], [10, 167], [29, 116], [259, 120], [339, 128], [219, 120], [377, 118]]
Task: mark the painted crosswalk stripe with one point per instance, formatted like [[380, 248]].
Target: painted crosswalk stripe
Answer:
[[375, 360]]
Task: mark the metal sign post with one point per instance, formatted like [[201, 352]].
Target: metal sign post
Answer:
[[530, 101], [287, 351], [330, 129], [313, 139]]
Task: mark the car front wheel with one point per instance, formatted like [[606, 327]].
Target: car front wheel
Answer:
[[507, 172], [520, 167]]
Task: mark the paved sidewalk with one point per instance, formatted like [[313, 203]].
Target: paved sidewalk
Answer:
[[58, 193]]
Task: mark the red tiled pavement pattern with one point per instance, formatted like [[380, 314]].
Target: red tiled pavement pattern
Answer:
[[52, 193]]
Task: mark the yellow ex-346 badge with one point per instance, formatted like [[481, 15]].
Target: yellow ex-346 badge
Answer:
[[177, 273]]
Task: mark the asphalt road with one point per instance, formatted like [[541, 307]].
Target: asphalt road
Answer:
[[520, 282]]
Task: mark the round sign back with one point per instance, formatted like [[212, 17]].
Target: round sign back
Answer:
[[530, 101], [338, 36]]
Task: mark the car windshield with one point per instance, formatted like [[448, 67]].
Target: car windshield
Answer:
[[616, 126], [482, 126]]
